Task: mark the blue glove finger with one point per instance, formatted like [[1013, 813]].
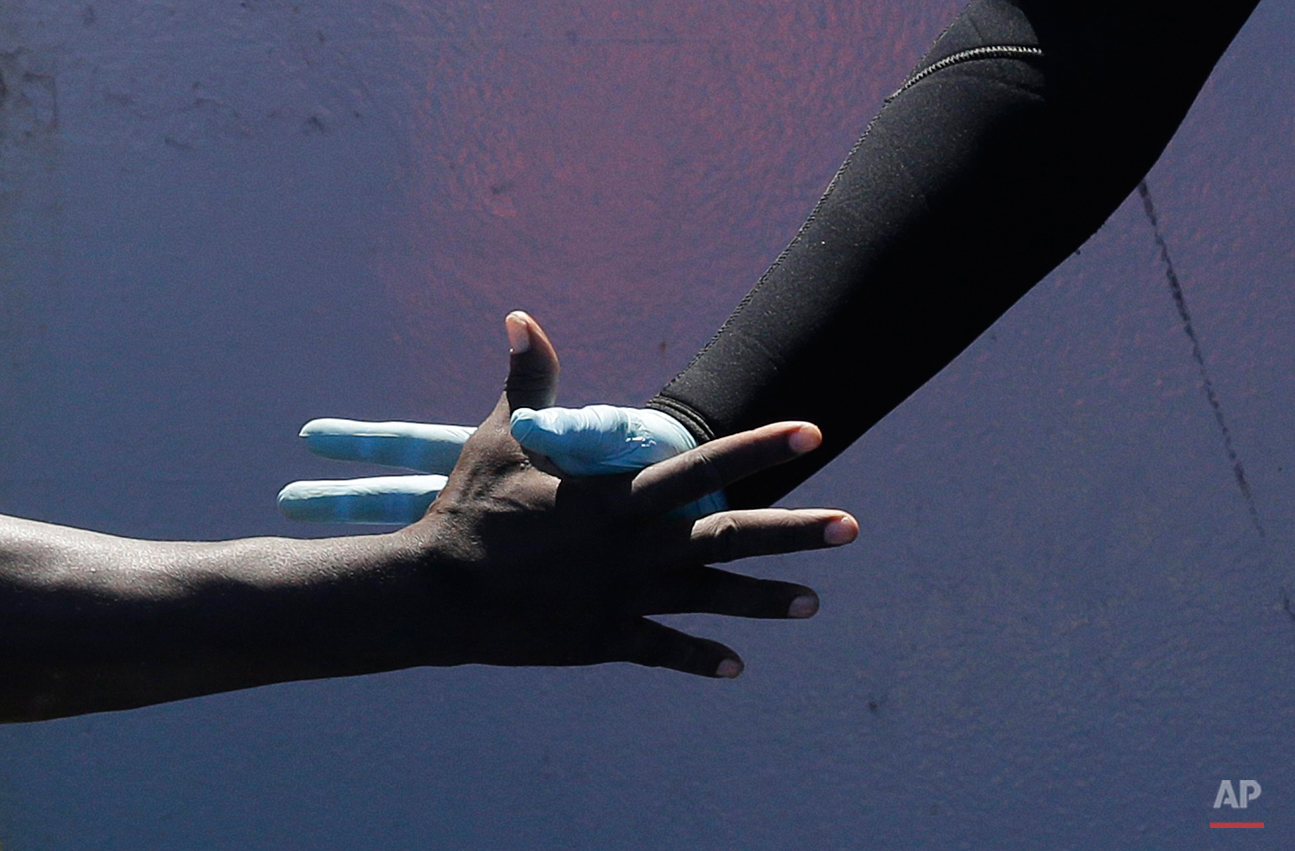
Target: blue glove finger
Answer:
[[600, 439], [397, 500], [413, 446]]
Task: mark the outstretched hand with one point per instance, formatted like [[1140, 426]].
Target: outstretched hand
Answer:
[[537, 570]]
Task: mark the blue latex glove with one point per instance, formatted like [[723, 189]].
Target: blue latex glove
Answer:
[[597, 440], [601, 439], [430, 449]]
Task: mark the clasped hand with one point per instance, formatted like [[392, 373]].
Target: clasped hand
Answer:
[[529, 568]]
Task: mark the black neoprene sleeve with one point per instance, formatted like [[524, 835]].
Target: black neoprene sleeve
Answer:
[[1019, 134]]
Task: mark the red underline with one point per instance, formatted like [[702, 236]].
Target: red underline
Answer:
[[1236, 824]]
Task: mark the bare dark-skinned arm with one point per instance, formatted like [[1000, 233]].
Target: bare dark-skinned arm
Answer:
[[511, 566], [92, 622]]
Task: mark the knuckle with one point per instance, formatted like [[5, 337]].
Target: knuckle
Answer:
[[725, 538]]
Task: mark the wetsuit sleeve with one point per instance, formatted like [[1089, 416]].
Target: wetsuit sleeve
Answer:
[[1017, 136]]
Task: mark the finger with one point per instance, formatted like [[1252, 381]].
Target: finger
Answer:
[[714, 466], [719, 592], [533, 366], [382, 499], [731, 535], [413, 446], [658, 646], [600, 439], [577, 439]]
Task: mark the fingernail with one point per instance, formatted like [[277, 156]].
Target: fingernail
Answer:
[[842, 530], [728, 669], [804, 439], [519, 336], [803, 606]]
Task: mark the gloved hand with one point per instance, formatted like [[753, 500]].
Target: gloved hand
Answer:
[[591, 441]]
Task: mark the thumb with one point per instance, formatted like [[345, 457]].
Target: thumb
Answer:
[[579, 440], [533, 368]]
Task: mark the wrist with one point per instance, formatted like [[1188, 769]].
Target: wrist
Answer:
[[386, 603], [433, 608], [691, 420]]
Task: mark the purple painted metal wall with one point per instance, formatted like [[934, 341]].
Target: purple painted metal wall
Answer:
[[1061, 626]]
